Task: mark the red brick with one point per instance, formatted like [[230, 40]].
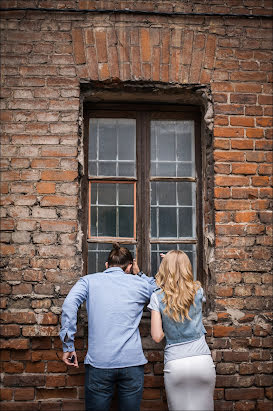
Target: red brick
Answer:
[[15, 344], [24, 394], [18, 317], [242, 144], [46, 188], [56, 367], [231, 181], [228, 156], [223, 331], [145, 45], [264, 121], [247, 168], [75, 380], [55, 175], [6, 394], [9, 330], [259, 181], [55, 200], [38, 367], [78, 46], [101, 47], [58, 226], [153, 381], [245, 216], [43, 393], [92, 62], [244, 394], [56, 381], [49, 318], [242, 121]]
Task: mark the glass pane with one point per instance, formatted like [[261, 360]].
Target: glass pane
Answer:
[[106, 193], [167, 222], [126, 135], [106, 221], [126, 194], [94, 219], [172, 148], [186, 222], [173, 209], [156, 249], [112, 210], [186, 193], [98, 254], [112, 147], [107, 141], [126, 169], [126, 216], [154, 225]]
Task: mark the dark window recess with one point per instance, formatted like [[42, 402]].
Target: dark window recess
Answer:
[[144, 183]]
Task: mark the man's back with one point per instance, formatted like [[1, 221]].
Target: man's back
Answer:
[[114, 303]]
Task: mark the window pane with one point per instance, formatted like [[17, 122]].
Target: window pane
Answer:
[[98, 254], [172, 148], [167, 222], [126, 217], [173, 209], [112, 210], [112, 145], [106, 221], [156, 249]]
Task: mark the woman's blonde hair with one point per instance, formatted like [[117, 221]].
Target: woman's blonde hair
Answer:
[[175, 279]]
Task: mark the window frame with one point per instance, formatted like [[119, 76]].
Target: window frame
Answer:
[[144, 113]]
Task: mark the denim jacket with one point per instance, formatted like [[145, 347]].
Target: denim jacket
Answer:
[[188, 330]]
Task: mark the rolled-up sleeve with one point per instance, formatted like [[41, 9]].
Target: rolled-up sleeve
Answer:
[[154, 303], [76, 296]]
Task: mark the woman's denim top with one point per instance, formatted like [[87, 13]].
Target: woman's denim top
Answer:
[[188, 330]]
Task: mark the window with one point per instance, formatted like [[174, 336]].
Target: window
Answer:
[[144, 185]]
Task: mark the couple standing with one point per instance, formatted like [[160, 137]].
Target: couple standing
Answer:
[[114, 303]]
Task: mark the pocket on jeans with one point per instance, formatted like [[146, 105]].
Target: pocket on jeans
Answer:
[[96, 377]]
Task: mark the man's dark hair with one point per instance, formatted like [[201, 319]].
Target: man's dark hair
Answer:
[[119, 257]]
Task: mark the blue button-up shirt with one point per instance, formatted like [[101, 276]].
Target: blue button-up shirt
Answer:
[[114, 303]]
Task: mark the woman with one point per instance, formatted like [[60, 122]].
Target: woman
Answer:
[[176, 313]]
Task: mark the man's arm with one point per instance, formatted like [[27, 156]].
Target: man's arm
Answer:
[[150, 280], [74, 299]]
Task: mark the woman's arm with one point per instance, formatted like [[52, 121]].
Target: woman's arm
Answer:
[[156, 326]]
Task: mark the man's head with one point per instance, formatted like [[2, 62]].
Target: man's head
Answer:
[[120, 257]]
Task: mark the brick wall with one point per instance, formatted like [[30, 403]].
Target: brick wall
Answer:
[[46, 56]]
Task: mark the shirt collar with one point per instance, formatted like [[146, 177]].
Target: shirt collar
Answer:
[[114, 270]]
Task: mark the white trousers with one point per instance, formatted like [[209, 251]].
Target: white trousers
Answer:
[[190, 383]]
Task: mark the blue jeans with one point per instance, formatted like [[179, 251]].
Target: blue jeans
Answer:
[[100, 385]]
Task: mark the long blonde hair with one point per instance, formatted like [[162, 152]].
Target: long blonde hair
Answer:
[[175, 278]]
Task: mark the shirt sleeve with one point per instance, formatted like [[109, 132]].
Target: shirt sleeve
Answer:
[[150, 283], [154, 303], [203, 296], [74, 299]]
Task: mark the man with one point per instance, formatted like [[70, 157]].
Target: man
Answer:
[[114, 303]]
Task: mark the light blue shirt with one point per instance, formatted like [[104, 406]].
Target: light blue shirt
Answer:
[[114, 303]]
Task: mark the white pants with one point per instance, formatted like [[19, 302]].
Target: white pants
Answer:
[[190, 383]]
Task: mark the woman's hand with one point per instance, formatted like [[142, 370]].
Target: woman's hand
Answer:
[[162, 255]]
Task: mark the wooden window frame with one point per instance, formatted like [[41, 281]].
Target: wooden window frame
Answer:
[[102, 239], [144, 113]]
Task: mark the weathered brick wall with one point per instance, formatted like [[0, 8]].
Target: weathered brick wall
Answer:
[[45, 58]]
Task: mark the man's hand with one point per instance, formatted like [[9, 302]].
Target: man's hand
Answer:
[[136, 269], [67, 356]]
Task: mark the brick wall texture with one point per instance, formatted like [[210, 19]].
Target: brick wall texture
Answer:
[[45, 56]]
